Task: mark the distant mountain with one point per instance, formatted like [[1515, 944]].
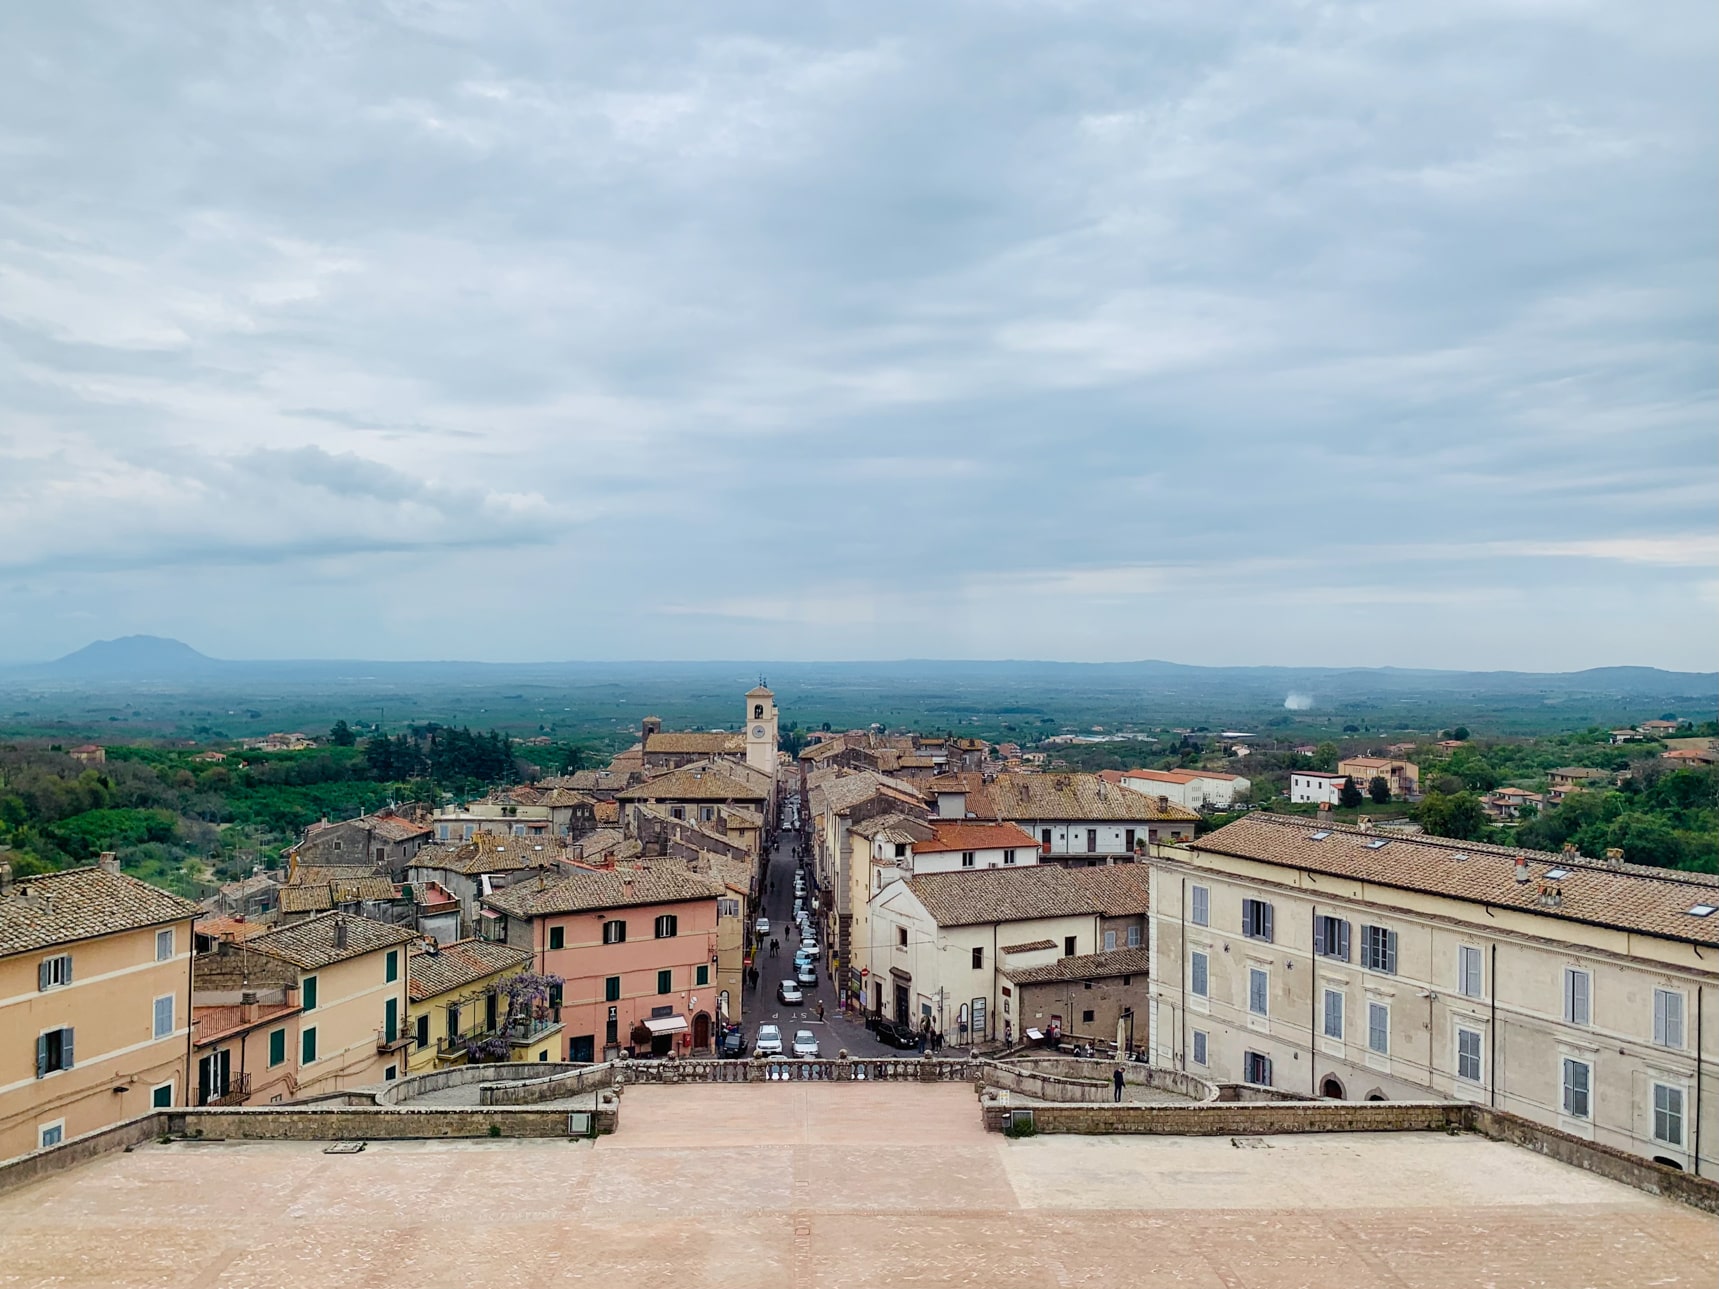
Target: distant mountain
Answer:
[[135, 657]]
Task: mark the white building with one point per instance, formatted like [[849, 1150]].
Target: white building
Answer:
[[1312, 785], [1082, 819], [939, 941], [1341, 962], [1191, 789]]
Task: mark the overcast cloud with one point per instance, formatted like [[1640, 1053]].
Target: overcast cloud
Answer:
[[1229, 333]]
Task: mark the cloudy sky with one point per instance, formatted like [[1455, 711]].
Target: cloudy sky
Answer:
[[1230, 333]]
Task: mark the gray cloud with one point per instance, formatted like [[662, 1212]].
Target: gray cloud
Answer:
[[1387, 322]]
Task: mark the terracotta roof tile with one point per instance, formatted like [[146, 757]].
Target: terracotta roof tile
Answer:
[[1038, 891], [950, 835], [605, 888], [1077, 796], [457, 965], [1085, 966], [80, 903], [690, 783], [311, 944]]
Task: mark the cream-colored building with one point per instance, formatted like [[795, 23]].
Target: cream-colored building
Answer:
[[943, 944], [352, 998], [1349, 963], [95, 1003]]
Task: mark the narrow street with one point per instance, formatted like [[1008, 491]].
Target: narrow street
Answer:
[[834, 1033]]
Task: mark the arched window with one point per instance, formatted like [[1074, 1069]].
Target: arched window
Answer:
[[757, 711]]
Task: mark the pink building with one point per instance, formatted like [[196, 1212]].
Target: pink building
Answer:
[[636, 948]]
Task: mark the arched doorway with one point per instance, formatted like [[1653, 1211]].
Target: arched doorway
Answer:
[[1331, 1087], [701, 1030], [1375, 1095]]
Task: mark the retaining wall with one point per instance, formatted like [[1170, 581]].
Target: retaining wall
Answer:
[[1632, 1170], [1258, 1119], [1077, 1079], [377, 1123], [68, 1154]]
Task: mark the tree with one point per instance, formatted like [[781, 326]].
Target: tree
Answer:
[[341, 735], [1349, 796], [1459, 816], [1379, 790], [1325, 756], [1460, 733]]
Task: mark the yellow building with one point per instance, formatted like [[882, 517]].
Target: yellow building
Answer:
[[352, 998], [457, 995], [95, 1003]]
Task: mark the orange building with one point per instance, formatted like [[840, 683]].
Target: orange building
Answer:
[[95, 1003], [636, 949]]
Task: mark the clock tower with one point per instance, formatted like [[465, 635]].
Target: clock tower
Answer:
[[761, 729]]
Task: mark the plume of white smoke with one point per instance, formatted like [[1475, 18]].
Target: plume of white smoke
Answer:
[[1298, 702]]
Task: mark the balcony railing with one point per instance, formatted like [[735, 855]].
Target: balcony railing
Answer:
[[385, 1044], [237, 1089]]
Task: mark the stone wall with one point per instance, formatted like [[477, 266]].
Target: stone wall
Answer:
[[120, 1136], [1067, 1069], [403, 1091], [377, 1123], [1214, 1119], [1632, 1170], [567, 1082]]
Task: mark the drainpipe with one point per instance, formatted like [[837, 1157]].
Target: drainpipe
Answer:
[[1181, 1054], [1696, 1143], [191, 1023], [1492, 1034], [1313, 1010], [991, 1020]]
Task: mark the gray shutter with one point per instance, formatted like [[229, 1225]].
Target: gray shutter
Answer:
[[43, 971], [1391, 952], [1267, 908], [66, 1048], [1343, 941], [1319, 945], [41, 1055], [68, 968]]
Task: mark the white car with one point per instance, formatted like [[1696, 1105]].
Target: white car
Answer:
[[805, 1044], [789, 992], [763, 927], [809, 946], [807, 974], [769, 1041]]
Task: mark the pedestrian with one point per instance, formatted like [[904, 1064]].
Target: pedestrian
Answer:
[[937, 1041], [1116, 1082], [820, 1009]]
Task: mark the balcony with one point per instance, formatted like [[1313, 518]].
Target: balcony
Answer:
[[398, 1042], [235, 1093]]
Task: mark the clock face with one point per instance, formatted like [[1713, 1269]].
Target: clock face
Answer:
[[757, 731]]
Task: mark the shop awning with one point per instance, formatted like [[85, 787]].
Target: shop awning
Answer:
[[660, 1025]]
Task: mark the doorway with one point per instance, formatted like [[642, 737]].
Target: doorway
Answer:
[[1331, 1088], [582, 1049], [902, 1013], [701, 1030]]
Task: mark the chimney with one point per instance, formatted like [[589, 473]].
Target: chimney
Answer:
[[109, 862], [1364, 824], [5, 879], [1164, 804], [1522, 870], [339, 933], [247, 1006], [1614, 857], [649, 726]]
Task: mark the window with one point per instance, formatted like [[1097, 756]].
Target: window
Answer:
[[1379, 949], [615, 932], [164, 1016], [1200, 906], [1086, 1017], [1045, 836], [1578, 1076], [967, 859], [667, 926], [901, 850], [1333, 1027], [1109, 941], [702, 975], [391, 972], [52, 973], [978, 959], [1578, 994], [420, 1031], [391, 1073], [161, 1097], [1068, 946], [1008, 856], [1199, 1047], [308, 988], [1468, 1054], [51, 1134], [677, 812], [1256, 1068], [164, 944], [1668, 1114], [277, 1046], [1128, 839], [391, 1019], [1331, 938], [307, 1046], [728, 908], [707, 813], [1468, 972], [1379, 1028], [1092, 841], [901, 937], [1256, 920], [665, 981], [1668, 1018], [53, 1051], [557, 937], [612, 989], [1198, 983], [1258, 991], [518, 831]]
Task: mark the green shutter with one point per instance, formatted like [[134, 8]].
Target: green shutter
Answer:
[[393, 973], [665, 982], [703, 973], [277, 1046], [308, 1047], [309, 989]]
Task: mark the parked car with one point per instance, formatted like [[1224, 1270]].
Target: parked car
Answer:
[[768, 1042], [896, 1033], [789, 992], [809, 945], [763, 926], [733, 1044], [806, 974], [805, 1044]]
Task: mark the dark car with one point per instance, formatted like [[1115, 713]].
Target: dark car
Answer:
[[897, 1034], [733, 1044]]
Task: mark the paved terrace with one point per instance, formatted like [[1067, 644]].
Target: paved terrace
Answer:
[[809, 1184]]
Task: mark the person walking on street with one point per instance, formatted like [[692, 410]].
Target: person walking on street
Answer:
[[820, 1009], [1116, 1082]]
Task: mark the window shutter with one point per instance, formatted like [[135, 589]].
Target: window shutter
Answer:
[[1319, 925], [66, 1048], [44, 973], [1343, 941], [1659, 999], [41, 1055], [1391, 952], [1267, 909]]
